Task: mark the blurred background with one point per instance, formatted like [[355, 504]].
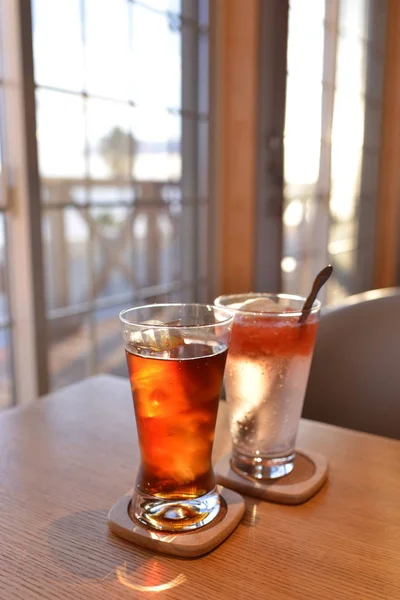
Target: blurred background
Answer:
[[173, 150]]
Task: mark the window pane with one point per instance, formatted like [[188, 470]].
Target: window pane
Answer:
[[342, 236], [344, 263], [6, 382], [57, 25], [353, 18], [331, 173], [305, 218], [56, 192], [164, 5], [103, 192], [302, 135], [65, 240], [297, 274], [107, 48], [112, 251], [203, 294], [156, 59], [186, 294], [347, 153], [348, 129], [167, 241], [156, 245], [305, 223], [336, 291], [110, 353], [158, 136], [113, 222], [68, 350], [111, 144], [343, 280], [60, 134], [306, 41], [350, 66]]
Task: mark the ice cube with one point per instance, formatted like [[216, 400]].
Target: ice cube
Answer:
[[262, 305], [158, 340], [236, 305]]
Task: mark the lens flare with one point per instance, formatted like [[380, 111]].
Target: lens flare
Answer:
[[126, 580]]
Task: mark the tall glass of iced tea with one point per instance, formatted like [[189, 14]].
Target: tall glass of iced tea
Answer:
[[266, 378], [176, 357]]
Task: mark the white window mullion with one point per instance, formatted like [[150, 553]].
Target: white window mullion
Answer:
[[323, 188], [25, 270]]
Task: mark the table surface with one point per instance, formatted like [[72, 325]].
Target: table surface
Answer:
[[67, 458]]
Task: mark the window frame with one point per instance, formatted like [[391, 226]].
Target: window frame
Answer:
[[27, 285]]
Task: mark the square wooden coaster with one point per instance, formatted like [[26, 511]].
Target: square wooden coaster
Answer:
[[308, 476], [187, 544]]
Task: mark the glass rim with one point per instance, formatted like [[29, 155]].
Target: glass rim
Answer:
[[225, 310], [288, 314]]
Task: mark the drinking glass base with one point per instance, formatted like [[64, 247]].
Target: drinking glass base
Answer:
[[257, 467], [175, 515]]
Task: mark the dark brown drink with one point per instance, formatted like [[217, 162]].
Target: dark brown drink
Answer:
[[176, 356], [176, 394]]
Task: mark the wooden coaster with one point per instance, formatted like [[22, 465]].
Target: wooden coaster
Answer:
[[308, 476], [188, 544]]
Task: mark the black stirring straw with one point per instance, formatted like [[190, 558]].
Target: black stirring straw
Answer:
[[319, 281]]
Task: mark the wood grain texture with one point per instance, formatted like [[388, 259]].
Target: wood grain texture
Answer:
[[236, 106], [190, 544], [67, 458], [387, 232], [308, 476]]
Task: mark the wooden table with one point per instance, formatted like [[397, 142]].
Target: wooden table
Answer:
[[67, 458]]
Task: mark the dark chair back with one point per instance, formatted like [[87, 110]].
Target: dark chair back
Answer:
[[355, 374]]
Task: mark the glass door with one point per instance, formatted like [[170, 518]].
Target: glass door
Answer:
[[319, 170]]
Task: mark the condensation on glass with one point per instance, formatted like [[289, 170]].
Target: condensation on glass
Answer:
[[332, 138], [122, 133]]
